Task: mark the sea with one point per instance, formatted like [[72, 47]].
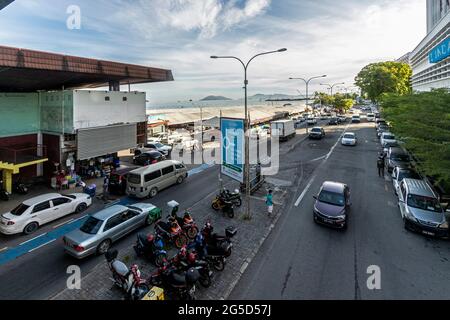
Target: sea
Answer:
[[211, 104]]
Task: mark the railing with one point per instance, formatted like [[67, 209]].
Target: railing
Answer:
[[22, 154]]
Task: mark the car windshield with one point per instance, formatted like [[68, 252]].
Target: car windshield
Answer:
[[71, 196], [407, 174], [91, 226], [316, 130], [159, 145], [400, 157], [389, 137], [20, 209], [332, 198], [134, 178], [424, 203], [349, 136]]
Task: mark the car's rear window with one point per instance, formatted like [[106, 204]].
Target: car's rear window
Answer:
[[91, 226], [316, 130], [134, 178], [71, 196], [349, 136], [20, 209]]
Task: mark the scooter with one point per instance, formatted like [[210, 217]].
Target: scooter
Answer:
[[171, 231], [151, 247], [4, 195], [187, 223], [226, 206], [214, 256], [128, 280], [218, 243], [185, 259]]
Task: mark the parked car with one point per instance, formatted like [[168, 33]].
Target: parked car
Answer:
[[381, 129], [118, 181], [398, 174], [379, 122], [316, 133], [356, 119], [387, 137], [332, 204], [342, 119], [349, 139], [103, 228], [311, 121], [388, 145], [370, 117], [397, 157], [333, 121], [28, 216], [148, 157], [164, 149], [420, 208]]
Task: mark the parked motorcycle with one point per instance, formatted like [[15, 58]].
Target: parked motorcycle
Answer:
[[187, 223], [129, 280], [214, 256], [227, 206], [218, 243], [234, 197], [151, 247], [181, 284], [4, 195], [20, 188], [185, 259], [172, 232]]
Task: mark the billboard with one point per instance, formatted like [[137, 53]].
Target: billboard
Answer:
[[440, 52], [233, 148]]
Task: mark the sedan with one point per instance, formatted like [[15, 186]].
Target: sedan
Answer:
[[332, 205], [164, 149], [28, 216], [148, 157], [349, 139], [103, 228], [398, 174], [333, 121], [387, 137], [316, 133], [311, 121], [397, 157]]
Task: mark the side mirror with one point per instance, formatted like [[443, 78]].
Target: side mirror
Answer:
[[315, 197]]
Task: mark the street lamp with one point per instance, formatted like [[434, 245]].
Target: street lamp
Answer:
[[331, 86], [247, 124], [307, 88]]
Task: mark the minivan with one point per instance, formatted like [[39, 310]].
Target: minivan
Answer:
[[420, 208], [146, 182]]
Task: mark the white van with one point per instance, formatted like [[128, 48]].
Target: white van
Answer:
[[370, 117], [147, 181]]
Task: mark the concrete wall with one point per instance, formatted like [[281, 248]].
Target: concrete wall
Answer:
[[19, 114], [93, 109]]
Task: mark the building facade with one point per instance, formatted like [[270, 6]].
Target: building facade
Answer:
[[430, 60]]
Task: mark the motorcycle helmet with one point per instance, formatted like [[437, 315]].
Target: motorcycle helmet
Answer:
[[183, 251], [150, 237], [191, 258]]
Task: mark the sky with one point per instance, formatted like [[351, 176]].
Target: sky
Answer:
[[336, 38]]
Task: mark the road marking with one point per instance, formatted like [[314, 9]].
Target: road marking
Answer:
[[5, 248], [80, 218], [317, 159], [304, 191], [63, 223], [32, 239], [41, 245]]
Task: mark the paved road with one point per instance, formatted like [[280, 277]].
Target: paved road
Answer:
[[302, 260]]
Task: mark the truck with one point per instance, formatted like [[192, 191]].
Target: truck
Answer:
[[284, 129]]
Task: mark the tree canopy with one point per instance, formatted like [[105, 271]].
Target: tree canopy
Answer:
[[384, 77]]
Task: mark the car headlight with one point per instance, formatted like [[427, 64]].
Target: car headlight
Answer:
[[341, 217], [444, 225]]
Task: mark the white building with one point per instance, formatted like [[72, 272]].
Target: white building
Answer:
[[430, 60]]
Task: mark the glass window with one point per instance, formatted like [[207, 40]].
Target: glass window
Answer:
[[424, 203], [179, 166], [41, 206], [168, 170], [152, 176], [20, 209], [114, 221], [91, 226], [60, 201], [332, 198], [403, 190], [134, 178]]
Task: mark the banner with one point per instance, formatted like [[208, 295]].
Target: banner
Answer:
[[233, 148]]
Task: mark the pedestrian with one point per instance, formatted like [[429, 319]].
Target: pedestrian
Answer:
[[105, 188], [380, 165], [269, 203]]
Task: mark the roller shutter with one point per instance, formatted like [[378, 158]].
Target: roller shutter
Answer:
[[96, 142]]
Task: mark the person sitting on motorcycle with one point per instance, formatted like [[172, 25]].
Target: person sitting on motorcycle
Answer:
[[199, 246], [187, 218]]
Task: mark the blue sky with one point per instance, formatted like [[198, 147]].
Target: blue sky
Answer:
[[336, 38]]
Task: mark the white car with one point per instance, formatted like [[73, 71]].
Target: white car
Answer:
[[349, 139], [164, 149], [311, 121], [370, 117], [387, 137], [28, 216]]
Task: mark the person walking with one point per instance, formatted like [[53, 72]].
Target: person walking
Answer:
[[105, 187], [380, 165], [269, 203]]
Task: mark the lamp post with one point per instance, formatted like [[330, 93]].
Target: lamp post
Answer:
[[247, 124], [331, 86], [307, 90]]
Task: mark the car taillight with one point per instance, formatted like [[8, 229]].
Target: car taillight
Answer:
[[10, 223], [78, 248], [154, 161]]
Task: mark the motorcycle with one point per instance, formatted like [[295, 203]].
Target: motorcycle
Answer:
[[129, 280], [187, 223], [234, 197], [185, 260], [227, 206], [4, 195], [172, 231], [151, 247], [219, 244], [179, 283], [214, 256], [20, 188]]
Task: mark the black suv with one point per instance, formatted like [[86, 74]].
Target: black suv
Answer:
[[316, 133]]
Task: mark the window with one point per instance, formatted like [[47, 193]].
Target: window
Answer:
[[124, 99], [168, 170], [152, 176], [91, 226], [134, 178], [41, 206], [107, 98], [114, 221], [60, 201], [403, 190], [19, 210], [179, 166]]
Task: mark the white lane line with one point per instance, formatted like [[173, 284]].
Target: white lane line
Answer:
[[4, 249], [32, 239], [63, 223], [304, 191], [41, 245]]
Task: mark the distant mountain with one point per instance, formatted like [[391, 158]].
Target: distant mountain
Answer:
[[214, 98]]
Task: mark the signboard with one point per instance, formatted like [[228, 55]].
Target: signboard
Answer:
[[233, 148], [440, 52]]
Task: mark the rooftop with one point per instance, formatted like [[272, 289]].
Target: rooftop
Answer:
[[26, 70]]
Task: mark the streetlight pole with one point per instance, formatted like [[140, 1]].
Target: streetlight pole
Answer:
[[331, 86], [307, 90], [247, 124]]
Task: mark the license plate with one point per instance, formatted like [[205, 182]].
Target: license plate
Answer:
[[428, 233], [328, 221]]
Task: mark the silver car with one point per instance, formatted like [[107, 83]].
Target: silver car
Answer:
[[399, 173], [103, 228]]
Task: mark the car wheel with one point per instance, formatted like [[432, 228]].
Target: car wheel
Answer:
[[81, 207], [31, 228], [103, 247], [153, 193], [180, 180]]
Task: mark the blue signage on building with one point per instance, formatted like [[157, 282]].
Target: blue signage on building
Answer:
[[440, 52], [233, 148]]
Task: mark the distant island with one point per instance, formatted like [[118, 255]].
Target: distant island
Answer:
[[213, 98]]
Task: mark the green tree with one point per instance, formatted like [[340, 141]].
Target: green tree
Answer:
[[384, 77], [342, 103], [326, 99]]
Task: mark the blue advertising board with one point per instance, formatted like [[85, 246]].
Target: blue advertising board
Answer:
[[440, 52], [233, 148]]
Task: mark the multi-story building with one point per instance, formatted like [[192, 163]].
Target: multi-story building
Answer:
[[430, 60], [49, 124]]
